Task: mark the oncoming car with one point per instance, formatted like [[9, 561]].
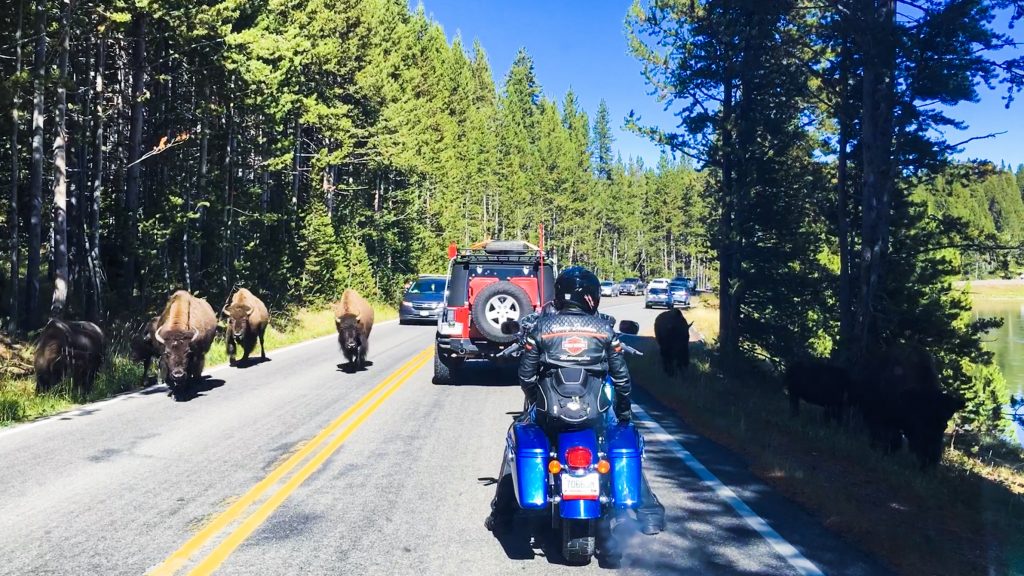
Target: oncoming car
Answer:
[[423, 300], [609, 288]]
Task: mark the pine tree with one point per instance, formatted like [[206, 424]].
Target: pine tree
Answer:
[[601, 142]]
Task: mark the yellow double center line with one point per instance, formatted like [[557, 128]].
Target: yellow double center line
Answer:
[[220, 553]]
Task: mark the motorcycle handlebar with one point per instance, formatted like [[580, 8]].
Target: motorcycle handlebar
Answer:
[[510, 350]]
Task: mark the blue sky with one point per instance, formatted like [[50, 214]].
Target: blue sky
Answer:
[[582, 45]]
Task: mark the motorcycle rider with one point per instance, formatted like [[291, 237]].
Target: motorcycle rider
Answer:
[[573, 316]]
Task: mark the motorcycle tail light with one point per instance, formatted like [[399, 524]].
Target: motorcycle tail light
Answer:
[[578, 457]]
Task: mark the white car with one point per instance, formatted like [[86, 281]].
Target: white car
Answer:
[[658, 283], [609, 288]]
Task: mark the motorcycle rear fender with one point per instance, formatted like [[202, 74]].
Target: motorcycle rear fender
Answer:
[[578, 509]]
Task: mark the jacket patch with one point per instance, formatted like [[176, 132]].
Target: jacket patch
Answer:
[[574, 345]]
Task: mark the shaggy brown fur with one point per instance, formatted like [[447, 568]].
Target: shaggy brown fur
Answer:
[[353, 318], [186, 331], [144, 347], [64, 346], [247, 320]]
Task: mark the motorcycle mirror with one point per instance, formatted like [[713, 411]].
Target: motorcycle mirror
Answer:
[[509, 327], [629, 327]]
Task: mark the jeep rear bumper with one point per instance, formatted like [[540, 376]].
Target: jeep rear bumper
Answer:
[[465, 348]]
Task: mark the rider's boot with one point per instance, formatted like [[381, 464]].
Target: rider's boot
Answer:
[[503, 505], [651, 513]]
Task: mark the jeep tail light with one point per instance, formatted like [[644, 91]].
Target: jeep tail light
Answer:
[[578, 457]]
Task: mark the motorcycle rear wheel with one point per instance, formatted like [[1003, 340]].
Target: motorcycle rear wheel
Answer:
[[578, 541]]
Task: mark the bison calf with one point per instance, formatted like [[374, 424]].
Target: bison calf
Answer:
[[64, 346], [247, 320], [900, 396], [673, 335], [353, 317], [144, 347], [820, 383]]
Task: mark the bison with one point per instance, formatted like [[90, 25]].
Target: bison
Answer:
[[64, 346], [247, 320], [186, 331], [353, 317], [818, 382], [673, 335], [144, 346], [900, 396]]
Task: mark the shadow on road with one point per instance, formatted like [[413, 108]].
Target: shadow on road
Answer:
[[196, 390], [249, 362], [350, 367], [486, 373]]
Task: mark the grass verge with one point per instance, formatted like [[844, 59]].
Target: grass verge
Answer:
[[994, 289], [19, 401], [963, 519]]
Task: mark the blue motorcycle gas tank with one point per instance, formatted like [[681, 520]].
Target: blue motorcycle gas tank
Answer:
[[529, 448]]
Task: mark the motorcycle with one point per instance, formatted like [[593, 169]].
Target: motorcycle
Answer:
[[590, 469]]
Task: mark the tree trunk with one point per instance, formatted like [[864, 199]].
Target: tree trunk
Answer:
[[12, 216], [846, 310], [95, 267], [60, 179], [204, 146], [227, 251], [876, 141], [131, 191], [296, 175], [78, 202], [727, 312], [35, 227]]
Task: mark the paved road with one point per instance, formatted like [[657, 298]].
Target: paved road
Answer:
[[293, 466]]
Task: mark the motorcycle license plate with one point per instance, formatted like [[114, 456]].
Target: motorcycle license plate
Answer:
[[581, 487]]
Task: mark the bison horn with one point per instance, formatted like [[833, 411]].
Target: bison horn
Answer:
[[195, 334], [358, 316], [248, 310], [225, 311], [159, 338]]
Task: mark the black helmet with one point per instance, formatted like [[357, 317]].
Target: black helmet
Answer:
[[577, 288]]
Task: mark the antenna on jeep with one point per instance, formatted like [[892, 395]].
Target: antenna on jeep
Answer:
[[540, 271]]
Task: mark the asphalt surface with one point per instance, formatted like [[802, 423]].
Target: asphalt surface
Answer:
[[241, 480]]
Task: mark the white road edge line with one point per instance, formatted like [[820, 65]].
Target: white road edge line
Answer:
[[86, 408], [793, 556]]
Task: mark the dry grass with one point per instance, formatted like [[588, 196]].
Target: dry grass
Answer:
[[963, 519], [994, 289], [19, 401]]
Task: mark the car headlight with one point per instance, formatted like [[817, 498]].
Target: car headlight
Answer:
[[406, 303]]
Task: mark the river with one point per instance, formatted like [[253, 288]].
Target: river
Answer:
[[1007, 342]]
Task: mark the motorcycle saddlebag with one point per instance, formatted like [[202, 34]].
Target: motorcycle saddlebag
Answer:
[[530, 458], [625, 453]]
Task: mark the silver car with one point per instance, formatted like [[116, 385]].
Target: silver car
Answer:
[[658, 297], [609, 288]]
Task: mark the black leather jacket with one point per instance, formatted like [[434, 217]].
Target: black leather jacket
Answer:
[[574, 339]]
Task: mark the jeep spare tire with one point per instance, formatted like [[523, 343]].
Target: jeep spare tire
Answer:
[[497, 303]]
